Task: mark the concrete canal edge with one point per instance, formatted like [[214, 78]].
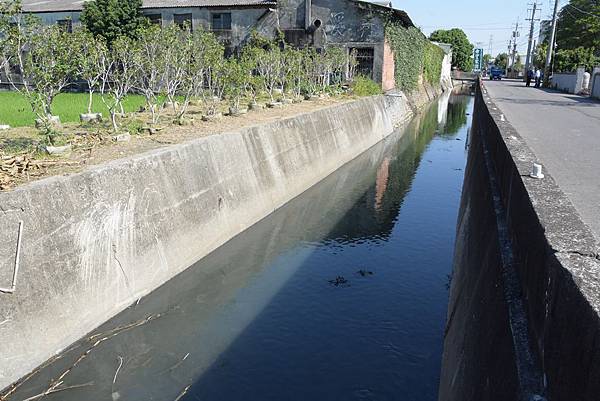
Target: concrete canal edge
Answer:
[[95, 242], [555, 257]]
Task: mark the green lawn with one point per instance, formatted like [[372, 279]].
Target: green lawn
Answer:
[[16, 112]]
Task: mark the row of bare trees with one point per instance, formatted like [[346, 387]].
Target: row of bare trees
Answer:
[[169, 65]]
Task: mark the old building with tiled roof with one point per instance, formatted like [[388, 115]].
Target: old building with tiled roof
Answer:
[[355, 24]]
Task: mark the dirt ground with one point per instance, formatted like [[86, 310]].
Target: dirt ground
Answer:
[[21, 161]]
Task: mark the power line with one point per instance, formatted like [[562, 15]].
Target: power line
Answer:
[[482, 24], [581, 11]]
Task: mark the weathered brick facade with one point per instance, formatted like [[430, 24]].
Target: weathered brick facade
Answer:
[[388, 80]]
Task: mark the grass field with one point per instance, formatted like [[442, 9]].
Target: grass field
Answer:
[[16, 111]]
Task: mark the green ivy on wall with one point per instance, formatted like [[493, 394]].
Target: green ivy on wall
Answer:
[[432, 63], [414, 55]]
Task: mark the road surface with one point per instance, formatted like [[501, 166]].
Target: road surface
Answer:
[[564, 132]]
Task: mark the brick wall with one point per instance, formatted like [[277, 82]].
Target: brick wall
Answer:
[[388, 81]]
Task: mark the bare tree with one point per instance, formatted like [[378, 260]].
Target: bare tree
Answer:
[[203, 63], [118, 76], [352, 65], [91, 54], [270, 67], [43, 58], [175, 61], [8, 10], [152, 66]]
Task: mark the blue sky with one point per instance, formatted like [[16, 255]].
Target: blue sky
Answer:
[[479, 19]]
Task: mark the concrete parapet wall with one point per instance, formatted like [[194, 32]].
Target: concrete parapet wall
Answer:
[[595, 84], [569, 82], [558, 275], [94, 242]]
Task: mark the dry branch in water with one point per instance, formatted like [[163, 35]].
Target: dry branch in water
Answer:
[[185, 390], [56, 390], [96, 340]]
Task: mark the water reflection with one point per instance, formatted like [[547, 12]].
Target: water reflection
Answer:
[[457, 115], [258, 319]]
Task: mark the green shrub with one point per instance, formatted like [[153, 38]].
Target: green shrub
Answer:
[[364, 86]]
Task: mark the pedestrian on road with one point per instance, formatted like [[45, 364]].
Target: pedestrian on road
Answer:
[[529, 77], [538, 78]]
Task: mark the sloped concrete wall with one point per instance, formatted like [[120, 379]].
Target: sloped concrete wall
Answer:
[[94, 242]]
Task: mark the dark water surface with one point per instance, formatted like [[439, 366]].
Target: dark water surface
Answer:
[[339, 295]]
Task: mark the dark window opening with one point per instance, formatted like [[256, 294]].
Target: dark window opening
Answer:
[[364, 58], [155, 19], [66, 25], [221, 22], [184, 21], [295, 37]]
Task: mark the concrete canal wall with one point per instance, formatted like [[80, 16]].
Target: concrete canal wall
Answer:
[[523, 318], [94, 242]]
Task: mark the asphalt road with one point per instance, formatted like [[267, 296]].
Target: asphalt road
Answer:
[[564, 133]]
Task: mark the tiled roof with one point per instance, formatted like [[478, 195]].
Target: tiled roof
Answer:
[[383, 6], [206, 3], [40, 6]]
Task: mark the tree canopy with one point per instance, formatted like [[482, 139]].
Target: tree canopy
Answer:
[[462, 49], [111, 19], [487, 58], [579, 25], [502, 60], [568, 60]]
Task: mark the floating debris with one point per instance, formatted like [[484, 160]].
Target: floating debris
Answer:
[[340, 281], [365, 273]]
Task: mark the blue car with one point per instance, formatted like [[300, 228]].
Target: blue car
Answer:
[[496, 73]]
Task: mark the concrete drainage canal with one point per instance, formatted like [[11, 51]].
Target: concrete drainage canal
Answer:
[[341, 294]]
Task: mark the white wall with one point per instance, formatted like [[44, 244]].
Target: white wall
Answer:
[[446, 79], [571, 82], [596, 86]]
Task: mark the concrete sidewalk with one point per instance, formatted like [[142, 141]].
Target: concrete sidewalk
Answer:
[[564, 132]]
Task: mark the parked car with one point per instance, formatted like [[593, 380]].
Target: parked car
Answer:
[[496, 73]]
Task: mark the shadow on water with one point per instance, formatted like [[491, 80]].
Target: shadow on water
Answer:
[[339, 295]]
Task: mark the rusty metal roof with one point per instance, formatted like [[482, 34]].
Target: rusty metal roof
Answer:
[[44, 6]]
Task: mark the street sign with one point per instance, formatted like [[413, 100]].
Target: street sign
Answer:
[[477, 60]]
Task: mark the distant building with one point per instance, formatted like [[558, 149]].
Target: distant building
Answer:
[[230, 20], [355, 24]]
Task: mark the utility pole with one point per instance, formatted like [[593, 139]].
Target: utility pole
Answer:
[[490, 46], [529, 48], [514, 47], [551, 46]]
